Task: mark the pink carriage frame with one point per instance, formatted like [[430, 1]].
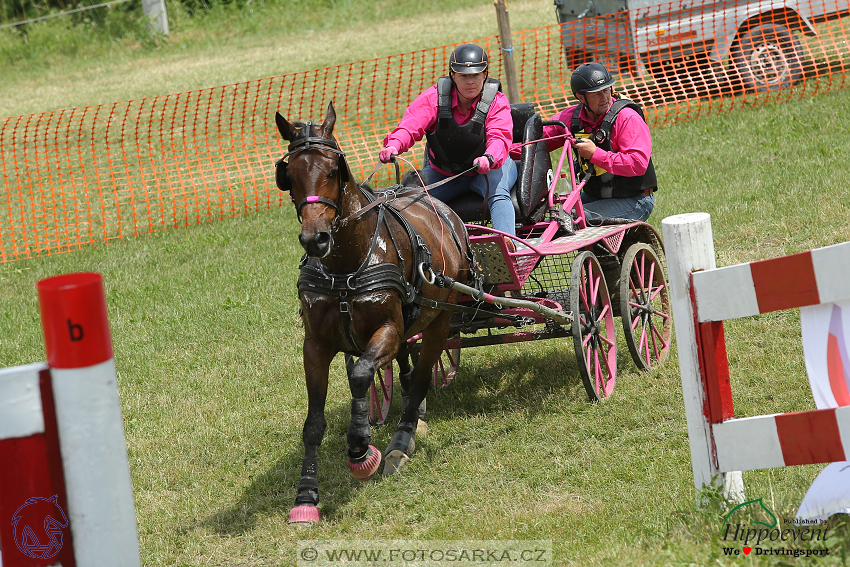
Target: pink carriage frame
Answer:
[[520, 264], [525, 259], [721, 445]]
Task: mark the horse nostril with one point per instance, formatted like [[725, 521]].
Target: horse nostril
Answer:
[[318, 245]]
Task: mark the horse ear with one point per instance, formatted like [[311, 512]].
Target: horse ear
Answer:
[[283, 127], [330, 119]]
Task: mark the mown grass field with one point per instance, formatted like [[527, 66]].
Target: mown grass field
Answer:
[[207, 348]]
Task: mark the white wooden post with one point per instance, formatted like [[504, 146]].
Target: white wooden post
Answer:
[[155, 11], [689, 247]]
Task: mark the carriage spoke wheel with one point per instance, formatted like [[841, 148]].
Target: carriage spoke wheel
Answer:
[[645, 306], [593, 327], [380, 391], [445, 369], [381, 395]]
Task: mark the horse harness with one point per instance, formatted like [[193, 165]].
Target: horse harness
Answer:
[[366, 279]]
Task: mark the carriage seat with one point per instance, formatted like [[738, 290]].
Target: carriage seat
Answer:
[[531, 188]]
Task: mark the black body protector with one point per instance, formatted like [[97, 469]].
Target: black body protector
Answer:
[[602, 184], [463, 143]]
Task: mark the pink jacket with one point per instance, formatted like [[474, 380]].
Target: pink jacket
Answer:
[[631, 143], [421, 117]]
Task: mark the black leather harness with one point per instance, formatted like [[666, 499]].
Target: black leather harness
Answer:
[[366, 279]]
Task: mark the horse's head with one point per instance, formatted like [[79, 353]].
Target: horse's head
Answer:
[[315, 176]]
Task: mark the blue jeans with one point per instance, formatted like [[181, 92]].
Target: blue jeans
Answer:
[[501, 180], [629, 208]]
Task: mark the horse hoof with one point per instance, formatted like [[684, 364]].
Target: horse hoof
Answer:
[[394, 461], [304, 515], [421, 428], [365, 469]]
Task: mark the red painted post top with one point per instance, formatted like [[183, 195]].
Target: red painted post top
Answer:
[[74, 320]]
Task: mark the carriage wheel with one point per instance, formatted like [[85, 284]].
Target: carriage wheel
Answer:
[[445, 369], [645, 306], [380, 391], [593, 327], [381, 395]]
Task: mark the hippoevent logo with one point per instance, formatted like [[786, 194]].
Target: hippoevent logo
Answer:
[[761, 533], [38, 527]]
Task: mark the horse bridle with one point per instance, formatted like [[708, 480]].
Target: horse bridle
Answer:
[[311, 142]]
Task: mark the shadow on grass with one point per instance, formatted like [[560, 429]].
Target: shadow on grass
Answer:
[[272, 493], [521, 381], [524, 380]]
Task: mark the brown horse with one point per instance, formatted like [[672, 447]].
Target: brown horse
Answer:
[[361, 293]]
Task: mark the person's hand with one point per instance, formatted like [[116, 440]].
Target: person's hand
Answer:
[[482, 165], [387, 154], [585, 147], [516, 150]]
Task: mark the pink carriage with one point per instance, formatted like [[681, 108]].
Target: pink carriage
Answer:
[[566, 278]]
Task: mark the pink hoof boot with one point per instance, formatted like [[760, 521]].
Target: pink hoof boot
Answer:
[[304, 515], [365, 469]]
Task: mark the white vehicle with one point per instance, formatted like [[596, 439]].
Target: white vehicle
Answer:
[[678, 40]]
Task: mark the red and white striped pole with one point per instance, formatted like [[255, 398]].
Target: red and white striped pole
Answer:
[[31, 480], [89, 423]]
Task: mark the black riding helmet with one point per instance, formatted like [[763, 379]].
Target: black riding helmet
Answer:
[[590, 78], [468, 58]]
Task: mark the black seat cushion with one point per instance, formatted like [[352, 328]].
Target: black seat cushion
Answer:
[[531, 188]]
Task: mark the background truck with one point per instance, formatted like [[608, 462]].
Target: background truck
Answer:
[[677, 42]]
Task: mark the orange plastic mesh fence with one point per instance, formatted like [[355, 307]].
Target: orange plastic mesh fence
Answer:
[[85, 175]]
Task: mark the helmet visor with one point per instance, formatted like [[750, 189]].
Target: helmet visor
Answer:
[[460, 67], [602, 87]]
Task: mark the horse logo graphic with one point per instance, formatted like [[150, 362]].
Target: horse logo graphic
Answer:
[[761, 505], [38, 532]]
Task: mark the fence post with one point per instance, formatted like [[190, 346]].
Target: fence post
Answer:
[[689, 247], [507, 49], [89, 422], [155, 11]]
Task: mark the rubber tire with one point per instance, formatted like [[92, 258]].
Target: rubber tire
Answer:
[[768, 43], [593, 327], [644, 297]]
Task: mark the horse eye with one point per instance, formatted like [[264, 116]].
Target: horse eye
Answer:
[[333, 173]]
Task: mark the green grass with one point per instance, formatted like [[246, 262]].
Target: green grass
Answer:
[[67, 68], [207, 337], [207, 348]]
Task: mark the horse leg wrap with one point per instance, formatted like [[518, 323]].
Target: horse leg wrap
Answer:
[[367, 465], [308, 488], [404, 439], [359, 430], [305, 510], [400, 448]]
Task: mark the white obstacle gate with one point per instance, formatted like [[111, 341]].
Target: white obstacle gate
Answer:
[[65, 492], [703, 296]]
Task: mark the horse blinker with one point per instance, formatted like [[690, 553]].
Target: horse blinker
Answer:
[[280, 177]]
